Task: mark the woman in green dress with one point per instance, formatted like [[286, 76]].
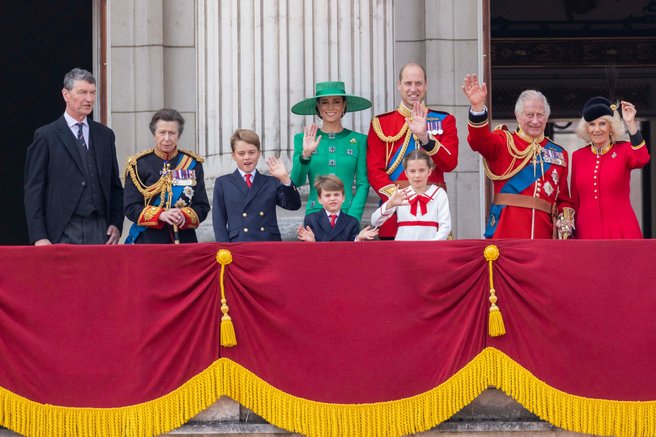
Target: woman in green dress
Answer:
[[331, 149]]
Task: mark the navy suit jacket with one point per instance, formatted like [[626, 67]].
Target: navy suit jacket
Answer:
[[240, 213], [55, 178], [346, 227]]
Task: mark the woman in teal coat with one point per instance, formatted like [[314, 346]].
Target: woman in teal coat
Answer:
[[332, 149]]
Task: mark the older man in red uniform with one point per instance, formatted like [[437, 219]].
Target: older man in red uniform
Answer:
[[528, 170], [411, 126]]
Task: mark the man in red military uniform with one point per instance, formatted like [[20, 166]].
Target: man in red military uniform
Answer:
[[528, 170], [411, 126]]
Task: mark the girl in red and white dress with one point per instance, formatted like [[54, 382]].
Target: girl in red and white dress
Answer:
[[422, 210]]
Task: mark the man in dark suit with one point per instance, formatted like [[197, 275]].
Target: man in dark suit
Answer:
[[73, 191], [244, 204], [331, 223]]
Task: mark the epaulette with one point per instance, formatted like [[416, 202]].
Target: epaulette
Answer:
[[554, 143], [439, 112], [385, 114], [194, 155], [500, 127], [132, 159]]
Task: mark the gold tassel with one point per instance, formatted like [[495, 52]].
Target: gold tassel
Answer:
[[495, 327], [228, 337]]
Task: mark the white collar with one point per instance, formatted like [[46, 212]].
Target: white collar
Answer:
[[71, 122], [243, 173]]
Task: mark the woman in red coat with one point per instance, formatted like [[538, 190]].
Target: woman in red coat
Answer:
[[601, 171]]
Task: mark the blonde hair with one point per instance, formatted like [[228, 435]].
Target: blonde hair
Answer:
[[617, 129]]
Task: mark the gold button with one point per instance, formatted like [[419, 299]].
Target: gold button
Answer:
[[261, 213], [244, 215], [245, 229], [262, 229]]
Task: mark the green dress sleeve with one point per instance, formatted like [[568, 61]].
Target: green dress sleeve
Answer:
[[300, 170], [361, 181]]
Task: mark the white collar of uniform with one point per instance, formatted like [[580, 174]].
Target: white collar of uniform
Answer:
[[328, 214]]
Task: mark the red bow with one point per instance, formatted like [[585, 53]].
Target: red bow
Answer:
[[422, 201]]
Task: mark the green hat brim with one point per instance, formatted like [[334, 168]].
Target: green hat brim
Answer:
[[308, 106]]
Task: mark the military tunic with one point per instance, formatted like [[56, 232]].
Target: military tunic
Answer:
[[601, 190], [388, 140], [501, 150], [144, 212]]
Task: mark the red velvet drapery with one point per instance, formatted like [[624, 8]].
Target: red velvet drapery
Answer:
[[332, 324]]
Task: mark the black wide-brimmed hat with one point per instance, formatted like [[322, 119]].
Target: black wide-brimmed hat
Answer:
[[597, 107], [330, 89]]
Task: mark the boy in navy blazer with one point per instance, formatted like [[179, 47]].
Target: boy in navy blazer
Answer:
[[331, 223], [244, 204]]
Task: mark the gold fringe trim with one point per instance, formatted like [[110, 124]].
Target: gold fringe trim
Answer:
[[150, 418], [228, 337], [393, 418], [567, 411], [399, 417], [421, 412]]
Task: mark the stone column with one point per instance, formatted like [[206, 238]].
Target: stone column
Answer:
[[257, 58], [445, 36], [152, 62]]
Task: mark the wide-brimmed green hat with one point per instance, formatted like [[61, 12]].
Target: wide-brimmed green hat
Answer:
[[329, 89]]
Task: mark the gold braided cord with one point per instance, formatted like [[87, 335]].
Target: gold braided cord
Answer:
[[400, 155], [162, 185], [375, 123], [524, 155], [167, 192], [149, 191]]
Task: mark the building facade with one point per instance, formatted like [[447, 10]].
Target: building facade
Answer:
[[244, 63]]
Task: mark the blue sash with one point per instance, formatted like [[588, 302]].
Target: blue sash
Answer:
[[176, 192], [430, 117], [515, 185]]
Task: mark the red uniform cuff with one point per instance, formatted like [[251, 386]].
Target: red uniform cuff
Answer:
[[149, 217], [191, 218]]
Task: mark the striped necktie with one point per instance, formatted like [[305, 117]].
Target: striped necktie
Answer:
[[80, 136]]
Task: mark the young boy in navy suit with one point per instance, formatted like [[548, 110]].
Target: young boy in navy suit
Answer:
[[244, 204], [331, 224]]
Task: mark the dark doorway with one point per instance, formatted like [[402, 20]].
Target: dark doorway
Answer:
[[42, 41]]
